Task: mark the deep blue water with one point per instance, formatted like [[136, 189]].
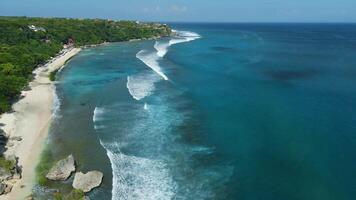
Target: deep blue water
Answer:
[[221, 111]]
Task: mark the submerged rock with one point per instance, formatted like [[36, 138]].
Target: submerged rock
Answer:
[[62, 169], [87, 182]]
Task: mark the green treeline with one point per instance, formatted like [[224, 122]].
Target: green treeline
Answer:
[[26, 43]]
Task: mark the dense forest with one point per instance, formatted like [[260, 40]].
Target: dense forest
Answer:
[[26, 43]]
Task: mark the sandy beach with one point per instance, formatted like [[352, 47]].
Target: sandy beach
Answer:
[[30, 121]]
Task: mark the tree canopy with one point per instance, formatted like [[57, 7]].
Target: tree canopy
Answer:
[[26, 43]]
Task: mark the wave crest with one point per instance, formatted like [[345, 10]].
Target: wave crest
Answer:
[[141, 85], [151, 60], [183, 36], [138, 178]]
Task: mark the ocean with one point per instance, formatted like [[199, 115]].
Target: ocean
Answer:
[[219, 111]]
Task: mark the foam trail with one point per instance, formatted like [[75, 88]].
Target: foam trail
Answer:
[[151, 60], [145, 106]]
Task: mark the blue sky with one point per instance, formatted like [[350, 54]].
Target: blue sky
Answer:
[[189, 10]]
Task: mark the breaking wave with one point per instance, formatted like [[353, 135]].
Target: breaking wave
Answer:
[[141, 85], [147, 159], [183, 36], [151, 60], [133, 177], [162, 48], [138, 178]]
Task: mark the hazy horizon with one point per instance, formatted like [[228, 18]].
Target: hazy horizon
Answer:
[[224, 11]]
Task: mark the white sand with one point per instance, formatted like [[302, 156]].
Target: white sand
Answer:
[[31, 121]]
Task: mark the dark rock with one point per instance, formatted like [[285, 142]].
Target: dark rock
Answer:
[[16, 138]]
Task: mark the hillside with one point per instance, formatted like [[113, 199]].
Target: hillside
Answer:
[[26, 43]]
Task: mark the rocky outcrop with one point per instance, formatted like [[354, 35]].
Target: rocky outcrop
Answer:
[[62, 169], [3, 141], [5, 175], [87, 182], [5, 188], [9, 169]]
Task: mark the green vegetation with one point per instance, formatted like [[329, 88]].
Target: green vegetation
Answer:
[[7, 165], [52, 75], [26, 43], [43, 167], [73, 195]]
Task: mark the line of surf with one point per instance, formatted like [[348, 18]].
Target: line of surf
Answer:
[[151, 60], [133, 178], [140, 86], [179, 37]]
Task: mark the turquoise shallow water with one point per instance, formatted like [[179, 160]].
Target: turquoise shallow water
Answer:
[[221, 111]]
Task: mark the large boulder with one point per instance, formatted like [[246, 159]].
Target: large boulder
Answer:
[[87, 182], [8, 189], [62, 169], [5, 188]]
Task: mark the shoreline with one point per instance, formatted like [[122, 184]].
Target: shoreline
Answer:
[[30, 120]]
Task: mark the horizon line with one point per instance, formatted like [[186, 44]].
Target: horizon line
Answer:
[[195, 22]]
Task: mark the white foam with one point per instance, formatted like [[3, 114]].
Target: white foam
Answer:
[[145, 106], [56, 104], [98, 112], [162, 48], [141, 85], [136, 178], [151, 60], [183, 36]]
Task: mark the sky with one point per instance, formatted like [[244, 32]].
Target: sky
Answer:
[[188, 10]]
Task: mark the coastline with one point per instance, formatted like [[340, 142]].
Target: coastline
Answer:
[[30, 120]]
